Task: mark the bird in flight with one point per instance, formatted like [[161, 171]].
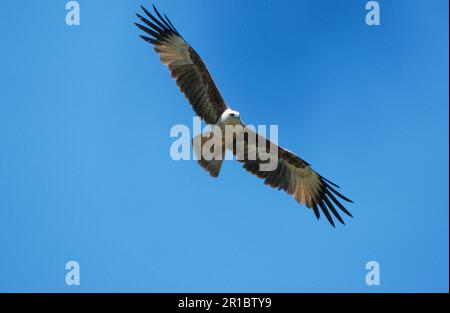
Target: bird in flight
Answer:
[[291, 174]]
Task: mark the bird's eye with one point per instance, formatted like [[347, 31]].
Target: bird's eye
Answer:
[[232, 114]]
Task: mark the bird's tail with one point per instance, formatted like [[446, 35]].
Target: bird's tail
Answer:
[[209, 151]]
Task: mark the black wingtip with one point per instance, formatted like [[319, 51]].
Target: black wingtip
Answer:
[[145, 38], [336, 201], [156, 10], [327, 214], [316, 211], [146, 11], [333, 210], [138, 25], [329, 181], [170, 23], [336, 192], [143, 8], [140, 17]]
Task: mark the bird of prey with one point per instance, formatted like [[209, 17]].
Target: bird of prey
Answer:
[[291, 174]]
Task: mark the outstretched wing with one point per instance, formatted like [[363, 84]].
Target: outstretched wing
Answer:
[[185, 65], [293, 175]]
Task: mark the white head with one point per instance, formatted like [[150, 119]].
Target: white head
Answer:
[[230, 117]]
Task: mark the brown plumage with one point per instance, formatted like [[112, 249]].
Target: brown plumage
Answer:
[[185, 65], [292, 174]]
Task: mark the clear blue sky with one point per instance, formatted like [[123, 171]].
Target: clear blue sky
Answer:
[[86, 175]]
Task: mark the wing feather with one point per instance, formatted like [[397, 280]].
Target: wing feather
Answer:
[[297, 178], [185, 65]]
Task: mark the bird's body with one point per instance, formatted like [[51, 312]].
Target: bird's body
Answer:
[[291, 173]]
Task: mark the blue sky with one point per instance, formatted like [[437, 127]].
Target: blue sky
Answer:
[[86, 174]]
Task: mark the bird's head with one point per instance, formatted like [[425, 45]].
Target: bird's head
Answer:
[[230, 117]]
